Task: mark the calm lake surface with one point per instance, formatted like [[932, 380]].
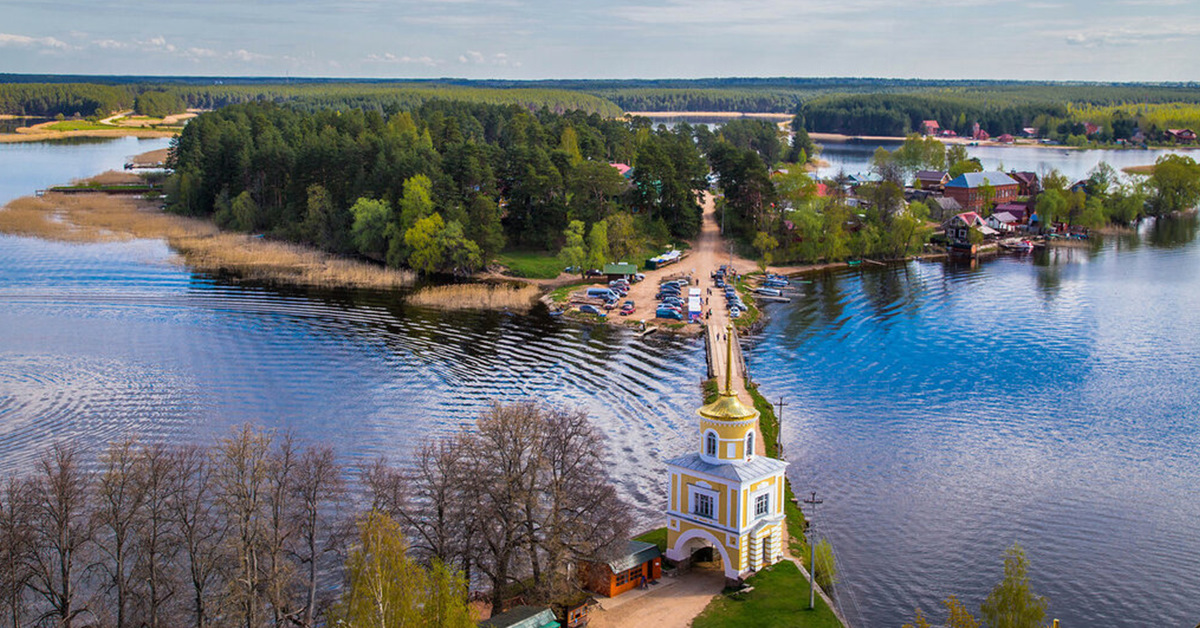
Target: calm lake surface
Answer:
[[943, 412]]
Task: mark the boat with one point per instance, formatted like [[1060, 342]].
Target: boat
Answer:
[[1022, 246], [770, 292]]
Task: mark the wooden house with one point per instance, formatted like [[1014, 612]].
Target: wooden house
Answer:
[[930, 127], [1181, 135], [933, 180], [640, 563], [1028, 183], [619, 270], [523, 617], [958, 228]]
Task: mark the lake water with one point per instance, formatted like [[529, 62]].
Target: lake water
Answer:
[[942, 412], [855, 157]]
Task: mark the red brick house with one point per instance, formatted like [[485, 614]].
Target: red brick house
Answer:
[[965, 189]]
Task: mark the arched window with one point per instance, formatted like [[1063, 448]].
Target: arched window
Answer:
[[710, 444], [749, 444]]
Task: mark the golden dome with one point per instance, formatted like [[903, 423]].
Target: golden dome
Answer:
[[727, 407]]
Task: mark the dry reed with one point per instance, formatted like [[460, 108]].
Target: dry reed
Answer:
[[104, 218], [478, 296], [112, 177]]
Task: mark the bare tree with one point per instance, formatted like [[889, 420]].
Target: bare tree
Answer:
[[18, 508], [279, 580], [504, 459], [157, 571], [243, 470], [64, 531], [202, 531], [385, 488], [585, 517], [118, 510], [434, 512], [319, 492]]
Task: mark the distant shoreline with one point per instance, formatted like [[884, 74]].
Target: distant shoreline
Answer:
[[711, 114]]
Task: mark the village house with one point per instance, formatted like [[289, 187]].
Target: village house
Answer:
[[1027, 182], [958, 228], [943, 207], [930, 127], [641, 563], [1090, 129], [1181, 135], [1017, 210], [965, 189], [1003, 222], [932, 180], [1005, 139], [724, 497]]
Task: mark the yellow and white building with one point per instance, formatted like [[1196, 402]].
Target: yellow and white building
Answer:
[[723, 495]]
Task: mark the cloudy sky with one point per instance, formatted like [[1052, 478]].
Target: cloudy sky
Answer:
[[1118, 40]]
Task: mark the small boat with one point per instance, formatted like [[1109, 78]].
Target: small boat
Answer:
[[556, 312], [1023, 246], [770, 292]]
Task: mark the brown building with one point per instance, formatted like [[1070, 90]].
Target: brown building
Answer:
[[965, 189], [641, 562], [932, 180], [1029, 183]]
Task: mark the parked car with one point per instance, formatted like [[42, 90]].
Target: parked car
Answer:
[[588, 308], [638, 277], [595, 272], [661, 313], [628, 308]]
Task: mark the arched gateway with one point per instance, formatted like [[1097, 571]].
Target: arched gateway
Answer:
[[723, 494]]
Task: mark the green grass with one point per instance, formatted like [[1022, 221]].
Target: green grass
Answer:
[[657, 537], [779, 599], [531, 264], [563, 294], [709, 386], [79, 125]]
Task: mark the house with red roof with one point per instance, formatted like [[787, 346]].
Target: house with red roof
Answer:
[[930, 127], [1181, 135], [959, 226]]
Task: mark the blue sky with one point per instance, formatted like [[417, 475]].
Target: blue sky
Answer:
[[1106, 40]]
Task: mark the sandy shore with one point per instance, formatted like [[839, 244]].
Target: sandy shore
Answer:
[[41, 136]]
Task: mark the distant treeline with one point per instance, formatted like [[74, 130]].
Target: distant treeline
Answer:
[[94, 99], [440, 188], [998, 110]]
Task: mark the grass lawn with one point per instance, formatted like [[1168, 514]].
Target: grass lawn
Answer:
[[657, 537], [531, 264], [779, 599], [78, 125]]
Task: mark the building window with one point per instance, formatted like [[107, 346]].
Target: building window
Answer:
[[749, 444], [710, 444], [762, 504], [703, 505]]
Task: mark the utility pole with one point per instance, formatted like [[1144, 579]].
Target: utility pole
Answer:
[[779, 426], [812, 552]]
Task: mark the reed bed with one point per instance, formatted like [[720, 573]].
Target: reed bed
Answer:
[[478, 296], [112, 177], [106, 218]]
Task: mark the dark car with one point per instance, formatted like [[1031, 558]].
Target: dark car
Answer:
[[590, 309]]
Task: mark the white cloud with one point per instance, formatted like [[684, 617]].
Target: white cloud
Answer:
[[10, 40], [388, 57], [1129, 33]]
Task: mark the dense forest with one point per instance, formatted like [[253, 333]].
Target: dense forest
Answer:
[[441, 188], [67, 99]]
